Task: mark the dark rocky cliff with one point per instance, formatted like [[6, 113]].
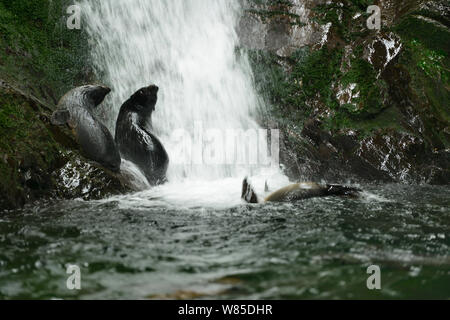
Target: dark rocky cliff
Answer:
[[352, 102]]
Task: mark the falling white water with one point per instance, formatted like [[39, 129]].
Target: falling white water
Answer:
[[188, 49]]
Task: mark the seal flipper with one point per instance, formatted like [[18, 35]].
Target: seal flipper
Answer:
[[248, 194]]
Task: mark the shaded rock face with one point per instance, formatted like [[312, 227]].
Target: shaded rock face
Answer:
[[382, 49], [279, 27], [354, 103], [394, 10], [385, 156]]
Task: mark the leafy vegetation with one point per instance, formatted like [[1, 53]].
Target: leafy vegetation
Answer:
[[37, 48], [26, 146]]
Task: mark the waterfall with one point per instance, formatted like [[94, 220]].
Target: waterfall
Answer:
[[189, 48]]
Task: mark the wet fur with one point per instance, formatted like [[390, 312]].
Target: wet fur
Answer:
[[75, 109], [135, 138], [299, 191]]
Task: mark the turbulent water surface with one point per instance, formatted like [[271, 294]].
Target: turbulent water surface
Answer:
[[145, 247]]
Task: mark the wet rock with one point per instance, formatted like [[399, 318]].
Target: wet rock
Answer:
[[279, 27], [383, 49], [79, 178], [394, 10], [386, 156], [405, 158], [359, 104]]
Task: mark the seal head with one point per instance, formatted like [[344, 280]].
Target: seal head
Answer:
[[96, 94], [145, 98], [76, 110]]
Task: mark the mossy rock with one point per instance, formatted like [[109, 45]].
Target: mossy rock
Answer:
[[29, 153], [405, 98], [37, 159], [38, 53], [41, 59]]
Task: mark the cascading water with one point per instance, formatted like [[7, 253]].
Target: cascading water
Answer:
[[187, 48]]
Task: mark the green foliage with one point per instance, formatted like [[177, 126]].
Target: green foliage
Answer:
[[316, 73], [341, 16], [10, 118], [431, 35], [369, 87], [309, 78], [429, 82], [426, 56], [35, 11], [429, 61], [428, 45], [37, 48], [25, 144], [19, 125], [312, 79]]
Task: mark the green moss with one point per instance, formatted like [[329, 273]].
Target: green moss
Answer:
[[370, 88], [11, 118], [289, 93], [427, 44], [311, 81], [43, 59], [432, 35], [431, 62], [26, 146], [36, 48], [270, 78], [426, 56], [341, 16], [316, 77], [389, 118], [20, 126]]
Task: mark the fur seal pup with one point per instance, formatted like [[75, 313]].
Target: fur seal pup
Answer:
[[76, 110], [299, 191], [135, 138]]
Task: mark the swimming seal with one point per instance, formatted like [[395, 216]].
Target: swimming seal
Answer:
[[299, 191], [135, 138], [76, 110]]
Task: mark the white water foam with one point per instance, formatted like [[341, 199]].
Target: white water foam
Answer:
[[189, 49]]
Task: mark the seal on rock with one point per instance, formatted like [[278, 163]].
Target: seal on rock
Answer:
[[76, 110], [135, 138], [299, 191]]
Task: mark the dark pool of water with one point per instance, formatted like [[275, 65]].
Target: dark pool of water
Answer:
[[319, 249]]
